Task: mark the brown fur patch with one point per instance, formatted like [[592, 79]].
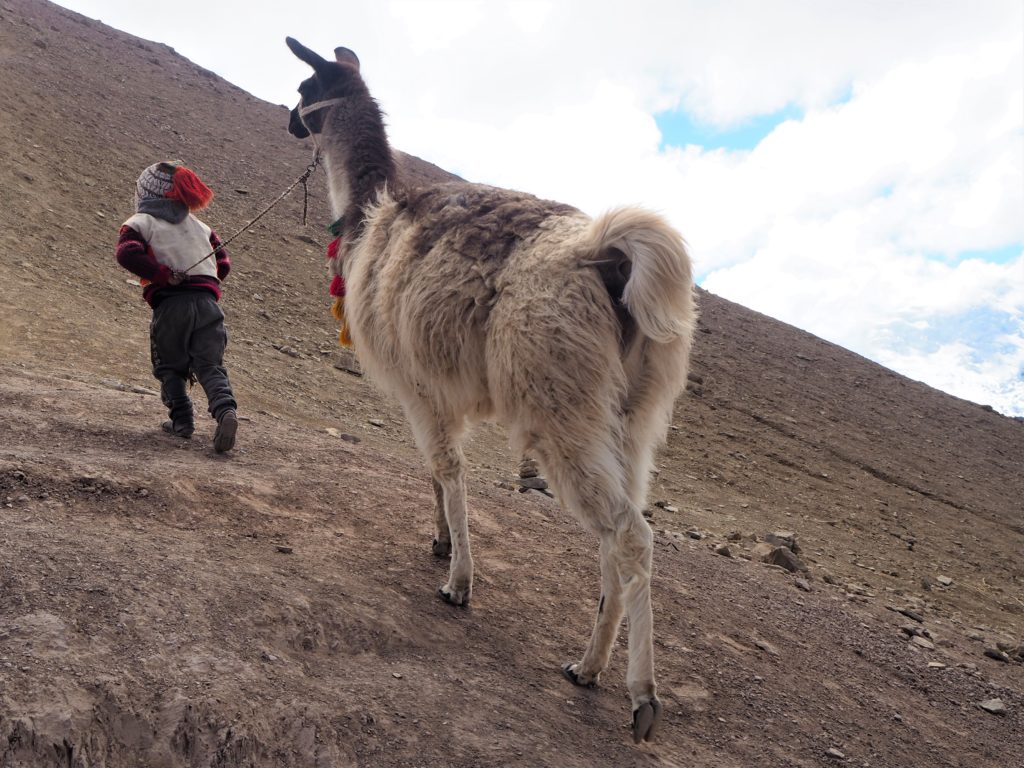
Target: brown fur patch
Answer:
[[479, 222]]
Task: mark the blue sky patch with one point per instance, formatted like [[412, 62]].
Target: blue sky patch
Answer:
[[679, 128], [1002, 255]]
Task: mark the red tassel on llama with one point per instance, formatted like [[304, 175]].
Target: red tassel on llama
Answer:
[[337, 290]]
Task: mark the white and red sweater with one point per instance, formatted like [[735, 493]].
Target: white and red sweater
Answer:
[[153, 249]]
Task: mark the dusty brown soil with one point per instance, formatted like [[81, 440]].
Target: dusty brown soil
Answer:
[[161, 605]]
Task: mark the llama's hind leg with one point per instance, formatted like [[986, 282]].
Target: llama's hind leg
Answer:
[[606, 626], [632, 553], [596, 492], [626, 560]]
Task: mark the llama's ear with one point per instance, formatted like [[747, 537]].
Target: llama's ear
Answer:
[[345, 56], [315, 60]]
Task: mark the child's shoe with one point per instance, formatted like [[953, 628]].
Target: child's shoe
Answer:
[[227, 427], [180, 427]]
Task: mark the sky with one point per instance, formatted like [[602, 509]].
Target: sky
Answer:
[[852, 167]]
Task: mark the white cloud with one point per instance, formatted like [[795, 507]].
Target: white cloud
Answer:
[[954, 368]]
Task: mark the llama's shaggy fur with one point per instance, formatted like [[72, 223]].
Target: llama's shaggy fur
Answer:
[[471, 302]]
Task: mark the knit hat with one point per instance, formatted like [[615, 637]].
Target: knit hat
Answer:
[[173, 181]]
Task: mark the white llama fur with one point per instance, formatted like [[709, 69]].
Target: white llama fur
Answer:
[[470, 302]]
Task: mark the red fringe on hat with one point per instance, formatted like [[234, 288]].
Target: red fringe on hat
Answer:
[[187, 188]]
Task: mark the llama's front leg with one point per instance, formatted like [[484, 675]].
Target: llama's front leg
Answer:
[[587, 671], [633, 554], [449, 474], [442, 544]]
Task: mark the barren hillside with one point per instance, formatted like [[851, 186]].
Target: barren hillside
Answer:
[[161, 605]]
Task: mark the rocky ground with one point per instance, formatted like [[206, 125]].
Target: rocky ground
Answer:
[[162, 605]]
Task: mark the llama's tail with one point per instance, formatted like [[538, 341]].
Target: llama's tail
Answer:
[[651, 258]]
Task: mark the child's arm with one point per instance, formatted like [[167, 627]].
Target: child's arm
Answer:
[[135, 255], [223, 259]]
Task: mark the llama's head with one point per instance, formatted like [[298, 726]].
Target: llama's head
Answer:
[[331, 81]]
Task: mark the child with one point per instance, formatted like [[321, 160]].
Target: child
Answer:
[[161, 244]]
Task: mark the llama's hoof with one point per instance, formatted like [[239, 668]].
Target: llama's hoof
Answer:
[[572, 674], [459, 597], [441, 548], [646, 717]]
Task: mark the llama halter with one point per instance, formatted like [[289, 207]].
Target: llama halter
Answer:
[[315, 107]]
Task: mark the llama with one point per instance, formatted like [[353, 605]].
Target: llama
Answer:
[[470, 302]]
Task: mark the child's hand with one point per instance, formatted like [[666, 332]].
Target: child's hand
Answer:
[[176, 278]]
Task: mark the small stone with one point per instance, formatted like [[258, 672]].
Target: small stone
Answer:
[[734, 536], [533, 483], [785, 539], [290, 351], [767, 647], [396, 675], [910, 613], [835, 754], [936, 665], [693, 533], [284, 549], [911, 630], [332, 431], [995, 706], [528, 468], [349, 438], [995, 653], [723, 550], [944, 580], [802, 584], [784, 557], [922, 642], [375, 423]]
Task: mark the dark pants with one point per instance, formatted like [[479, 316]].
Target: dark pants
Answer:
[[188, 334]]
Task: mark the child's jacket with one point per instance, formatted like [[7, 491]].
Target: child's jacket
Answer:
[[153, 248]]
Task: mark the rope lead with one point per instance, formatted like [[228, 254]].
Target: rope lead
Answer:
[[305, 199]]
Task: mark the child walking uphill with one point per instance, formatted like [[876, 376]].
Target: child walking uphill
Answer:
[[161, 244]]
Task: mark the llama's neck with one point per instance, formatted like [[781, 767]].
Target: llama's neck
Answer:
[[337, 181], [358, 160]]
